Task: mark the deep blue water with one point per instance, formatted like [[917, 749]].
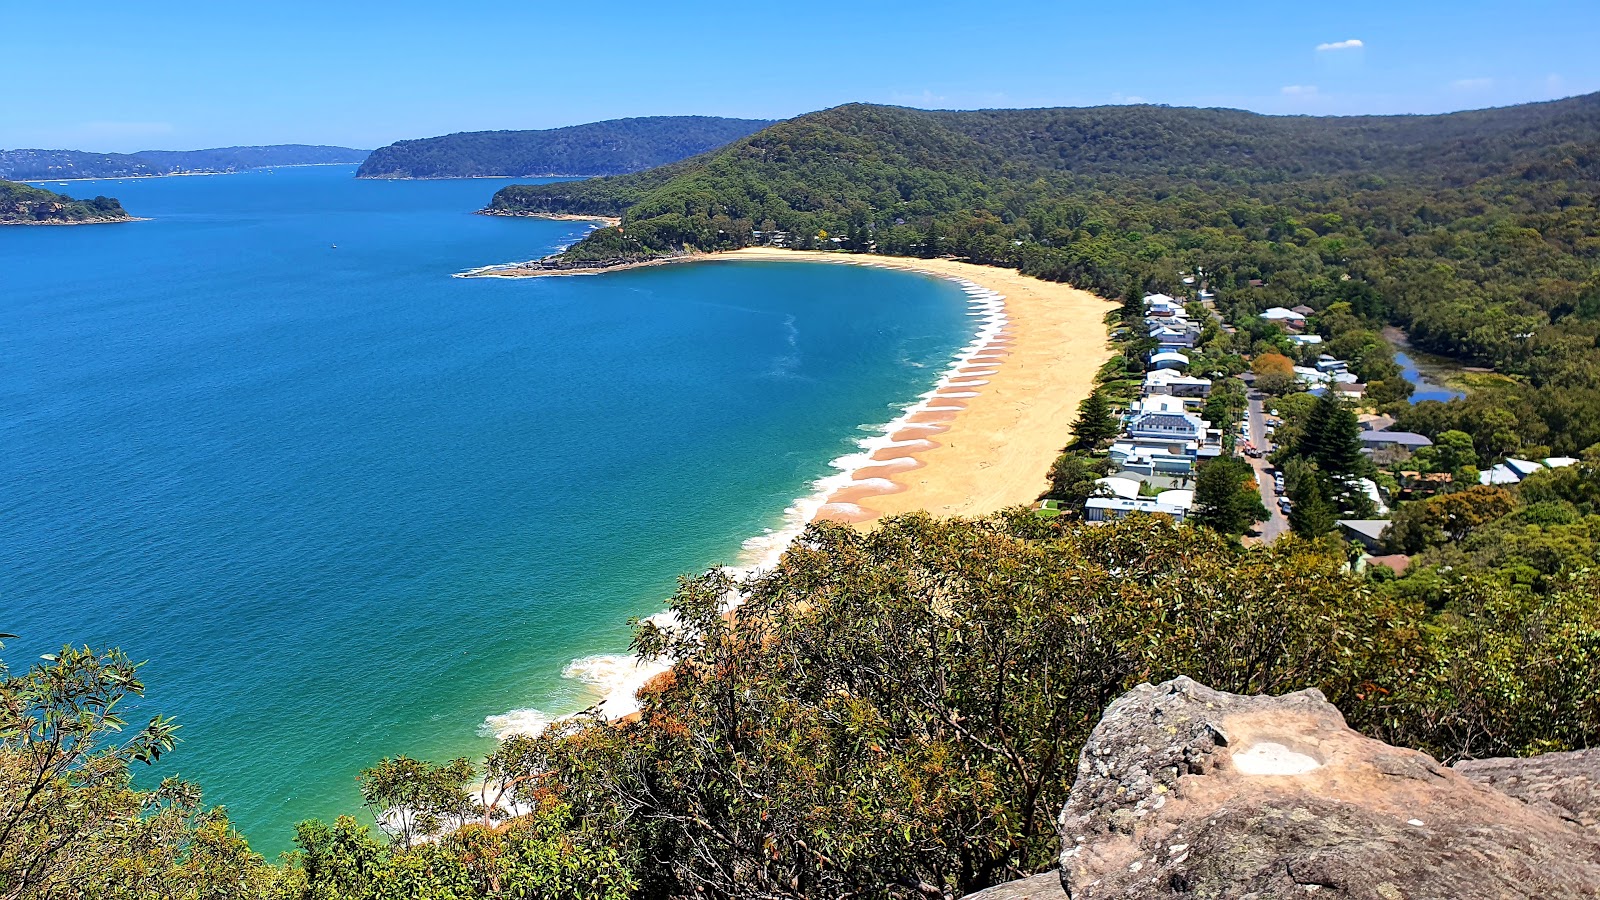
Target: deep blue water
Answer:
[[348, 506]]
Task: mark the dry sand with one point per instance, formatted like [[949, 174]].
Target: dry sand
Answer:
[[996, 450]]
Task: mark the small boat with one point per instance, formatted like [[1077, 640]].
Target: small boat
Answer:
[[335, 246]]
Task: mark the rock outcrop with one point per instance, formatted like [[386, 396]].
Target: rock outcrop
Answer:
[[1565, 785], [1183, 791]]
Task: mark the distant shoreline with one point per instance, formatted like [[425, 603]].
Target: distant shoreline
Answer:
[[7, 222], [465, 177], [39, 181], [609, 221]]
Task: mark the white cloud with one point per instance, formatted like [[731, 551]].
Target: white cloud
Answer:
[[1119, 97], [1298, 90], [1472, 84], [1352, 44]]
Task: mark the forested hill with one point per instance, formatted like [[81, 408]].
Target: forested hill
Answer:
[[1478, 231], [599, 148], [45, 165], [22, 204]]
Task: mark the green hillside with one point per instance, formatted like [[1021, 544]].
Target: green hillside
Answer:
[[1477, 231], [598, 148], [43, 165], [22, 204]]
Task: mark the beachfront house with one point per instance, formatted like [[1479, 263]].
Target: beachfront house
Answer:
[[1168, 359], [1175, 335], [1152, 459], [1112, 486], [1175, 383], [1165, 424], [1106, 509]]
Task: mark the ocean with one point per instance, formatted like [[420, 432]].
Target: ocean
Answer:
[[347, 506]]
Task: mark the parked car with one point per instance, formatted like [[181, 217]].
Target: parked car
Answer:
[[1285, 505]]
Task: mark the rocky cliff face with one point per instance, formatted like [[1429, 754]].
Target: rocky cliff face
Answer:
[[1183, 791]]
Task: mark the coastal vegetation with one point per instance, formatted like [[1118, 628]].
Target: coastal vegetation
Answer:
[[894, 713], [599, 148], [1474, 231], [45, 165], [22, 204], [889, 714]]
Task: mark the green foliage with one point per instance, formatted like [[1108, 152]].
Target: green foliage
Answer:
[[1095, 424], [1072, 479], [542, 855], [47, 165], [613, 147], [417, 797], [1475, 231], [71, 822], [1312, 513], [21, 203], [1447, 518], [1226, 496], [893, 714]]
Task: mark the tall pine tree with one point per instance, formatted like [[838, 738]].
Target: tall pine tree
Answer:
[[1095, 424]]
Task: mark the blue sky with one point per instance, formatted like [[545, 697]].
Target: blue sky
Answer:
[[183, 75]]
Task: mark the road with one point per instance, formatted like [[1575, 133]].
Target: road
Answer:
[[1277, 523]]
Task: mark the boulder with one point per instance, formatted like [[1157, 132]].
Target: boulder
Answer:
[[1566, 785], [1183, 791]]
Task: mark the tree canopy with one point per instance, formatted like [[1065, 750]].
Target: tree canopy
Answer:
[[599, 148]]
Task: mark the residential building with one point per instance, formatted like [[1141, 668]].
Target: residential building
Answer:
[[1171, 381], [1369, 532], [1105, 509], [1383, 440], [1285, 317], [1168, 359]]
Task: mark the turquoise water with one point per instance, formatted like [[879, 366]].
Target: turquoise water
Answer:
[[347, 506]]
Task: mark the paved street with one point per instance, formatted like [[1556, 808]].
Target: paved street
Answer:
[[1277, 523]]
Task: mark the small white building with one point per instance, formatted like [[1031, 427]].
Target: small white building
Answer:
[[1105, 509]]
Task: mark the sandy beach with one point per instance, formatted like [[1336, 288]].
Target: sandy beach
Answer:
[[986, 440], [610, 221]]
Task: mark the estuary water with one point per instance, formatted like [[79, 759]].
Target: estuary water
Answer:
[[347, 506]]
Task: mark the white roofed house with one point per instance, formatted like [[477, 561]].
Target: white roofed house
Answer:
[[1167, 425], [1175, 335], [1514, 470], [1105, 509], [1168, 359], [1171, 381], [1285, 317]]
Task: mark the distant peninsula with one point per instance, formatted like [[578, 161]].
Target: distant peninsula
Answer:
[[613, 147], [22, 204], [56, 165]]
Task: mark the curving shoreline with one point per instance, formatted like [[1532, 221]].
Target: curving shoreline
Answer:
[[981, 440], [985, 437]]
